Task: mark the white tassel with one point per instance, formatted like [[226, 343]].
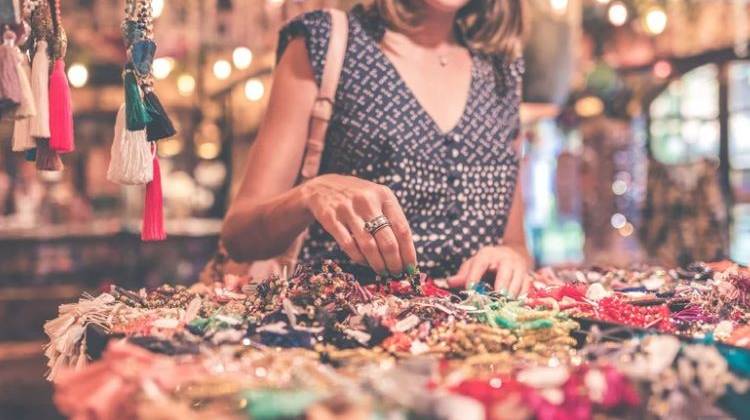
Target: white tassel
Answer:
[[26, 108], [22, 139], [131, 159], [40, 91]]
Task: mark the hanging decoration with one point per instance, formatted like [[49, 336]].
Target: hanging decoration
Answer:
[[141, 120], [35, 91]]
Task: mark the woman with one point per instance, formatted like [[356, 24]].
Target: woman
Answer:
[[425, 115]]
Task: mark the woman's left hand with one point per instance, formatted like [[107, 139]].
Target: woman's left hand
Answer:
[[510, 266]]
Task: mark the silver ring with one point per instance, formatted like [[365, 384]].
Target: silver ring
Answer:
[[376, 224]]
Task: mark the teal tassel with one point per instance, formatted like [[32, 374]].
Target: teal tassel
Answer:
[[136, 114], [31, 155]]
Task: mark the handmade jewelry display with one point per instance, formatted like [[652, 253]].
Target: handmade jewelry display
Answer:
[[587, 343]]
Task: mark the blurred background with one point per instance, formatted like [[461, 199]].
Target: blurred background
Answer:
[[636, 116]]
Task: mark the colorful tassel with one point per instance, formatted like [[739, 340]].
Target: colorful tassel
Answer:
[[46, 158], [22, 139], [26, 108], [161, 126], [40, 91], [153, 209], [135, 110], [130, 157], [10, 87], [60, 110]]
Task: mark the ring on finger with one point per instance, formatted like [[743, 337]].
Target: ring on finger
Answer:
[[376, 224]]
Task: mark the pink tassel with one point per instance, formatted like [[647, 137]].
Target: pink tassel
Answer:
[[153, 211], [60, 111]]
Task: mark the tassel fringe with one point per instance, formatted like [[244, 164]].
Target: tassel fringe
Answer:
[[60, 110], [10, 89], [137, 117], [131, 159], [46, 158], [40, 91], [26, 108], [153, 209], [161, 126]]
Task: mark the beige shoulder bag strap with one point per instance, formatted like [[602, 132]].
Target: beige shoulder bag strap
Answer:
[[320, 116], [323, 107]]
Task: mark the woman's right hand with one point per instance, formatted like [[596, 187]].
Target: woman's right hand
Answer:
[[342, 204]]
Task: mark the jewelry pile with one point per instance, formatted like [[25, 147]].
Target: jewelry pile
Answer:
[[319, 344]]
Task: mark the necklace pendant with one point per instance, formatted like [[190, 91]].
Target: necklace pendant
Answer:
[[443, 61]]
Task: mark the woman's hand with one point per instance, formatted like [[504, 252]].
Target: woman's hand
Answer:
[[509, 265], [342, 204]]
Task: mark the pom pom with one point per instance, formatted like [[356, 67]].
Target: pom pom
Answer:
[[40, 91], [130, 158], [135, 110], [46, 158], [153, 210], [60, 111], [161, 126]]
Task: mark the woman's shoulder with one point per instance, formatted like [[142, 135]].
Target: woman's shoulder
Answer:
[[314, 28], [508, 69]]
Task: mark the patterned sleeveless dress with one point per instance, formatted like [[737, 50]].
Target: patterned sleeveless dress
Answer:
[[455, 187]]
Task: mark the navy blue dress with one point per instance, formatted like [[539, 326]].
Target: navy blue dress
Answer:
[[455, 188]]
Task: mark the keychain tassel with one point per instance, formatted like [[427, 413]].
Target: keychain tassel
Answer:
[[10, 89], [46, 158], [40, 91], [26, 108], [161, 126], [60, 110], [153, 209], [136, 114], [130, 156]]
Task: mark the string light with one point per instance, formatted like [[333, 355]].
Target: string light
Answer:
[[254, 90], [589, 106], [157, 7], [656, 21], [222, 69], [186, 84], [618, 220], [618, 13], [162, 67], [626, 230], [242, 57], [619, 187], [662, 69], [558, 6], [78, 75]]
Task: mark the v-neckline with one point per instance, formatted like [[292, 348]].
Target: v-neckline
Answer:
[[413, 96]]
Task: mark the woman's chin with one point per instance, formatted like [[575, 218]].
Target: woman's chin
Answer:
[[445, 6]]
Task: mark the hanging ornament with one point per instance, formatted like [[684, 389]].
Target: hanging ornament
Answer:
[[60, 106], [141, 119], [10, 85]]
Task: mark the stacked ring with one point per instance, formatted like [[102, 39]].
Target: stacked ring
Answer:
[[376, 224]]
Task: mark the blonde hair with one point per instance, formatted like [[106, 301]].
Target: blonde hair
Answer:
[[489, 26]]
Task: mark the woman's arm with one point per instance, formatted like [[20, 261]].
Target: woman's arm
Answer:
[[269, 212], [266, 202]]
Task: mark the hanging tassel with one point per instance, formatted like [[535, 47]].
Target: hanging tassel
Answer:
[[46, 158], [60, 111], [135, 110], [10, 87], [130, 156], [161, 126], [22, 139], [31, 155], [27, 107], [153, 209], [40, 91]]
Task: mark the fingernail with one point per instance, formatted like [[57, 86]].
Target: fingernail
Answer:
[[411, 269]]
